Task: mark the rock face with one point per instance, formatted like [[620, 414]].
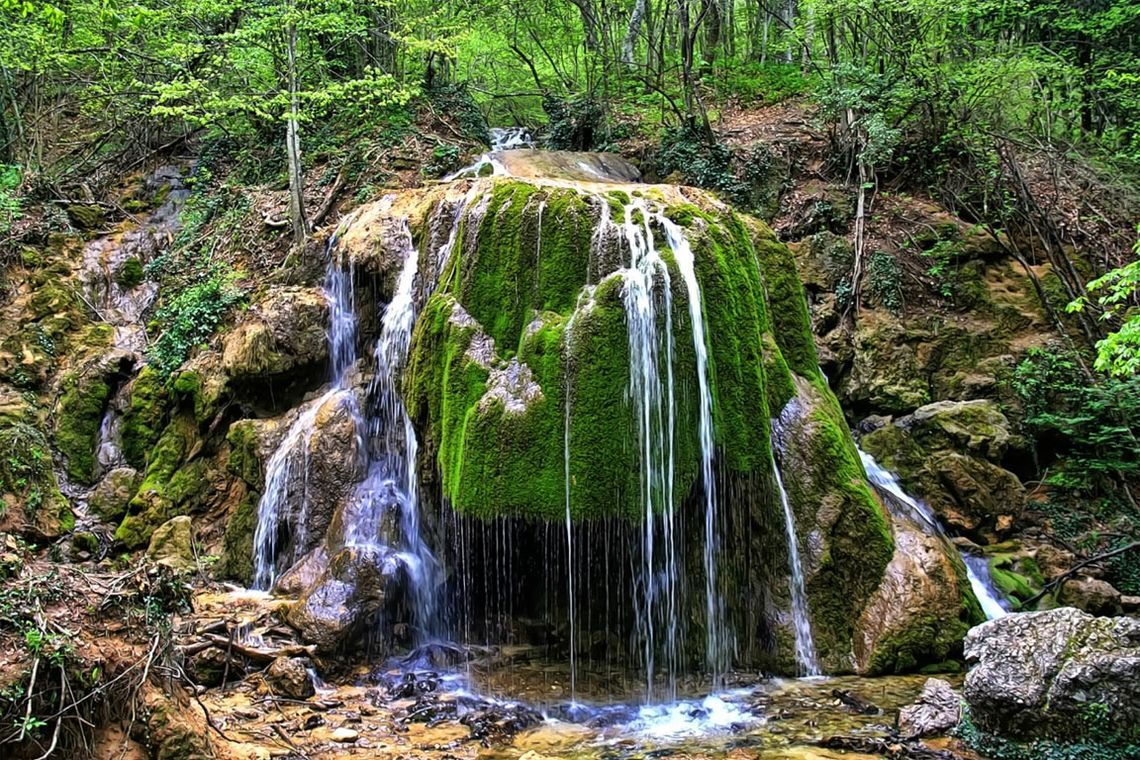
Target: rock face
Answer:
[[949, 454], [1092, 595], [937, 710], [1044, 673], [921, 610], [355, 586], [283, 333]]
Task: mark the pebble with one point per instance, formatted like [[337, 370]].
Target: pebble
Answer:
[[344, 735]]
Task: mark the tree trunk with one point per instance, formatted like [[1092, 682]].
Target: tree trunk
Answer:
[[629, 44], [788, 19], [293, 144]]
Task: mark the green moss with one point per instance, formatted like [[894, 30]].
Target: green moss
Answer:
[[28, 480], [1004, 571], [157, 499], [143, 419], [244, 459], [130, 274], [80, 412], [236, 562], [791, 323]]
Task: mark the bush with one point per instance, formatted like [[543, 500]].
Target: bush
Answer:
[[189, 318], [576, 123], [701, 163]]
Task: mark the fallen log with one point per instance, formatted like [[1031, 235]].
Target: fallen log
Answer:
[[257, 654], [858, 704]]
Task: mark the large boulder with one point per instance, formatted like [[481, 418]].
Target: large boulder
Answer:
[[110, 498], [1053, 673], [949, 454], [1092, 595], [355, 586], [289, 677], [173, 544], [281, 333], [922, 609]]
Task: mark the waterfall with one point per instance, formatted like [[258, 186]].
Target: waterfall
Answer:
[[716, 645], [977, 568], [292, 454], [654, 410], [393, 445], [801, 618]]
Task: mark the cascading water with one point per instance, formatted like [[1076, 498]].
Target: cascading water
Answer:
[[716, 643], [654, 409], [292, 454], [393, 446], [977, 568], [806, 658], [801, 618]]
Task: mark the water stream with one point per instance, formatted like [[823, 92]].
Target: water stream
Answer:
[[977, 568]]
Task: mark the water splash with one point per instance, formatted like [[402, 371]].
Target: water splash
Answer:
[[977, 568]]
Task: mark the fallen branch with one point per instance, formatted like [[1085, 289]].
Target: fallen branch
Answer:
[[859, 705], [899, 750], [261, 655], [1073, 570]]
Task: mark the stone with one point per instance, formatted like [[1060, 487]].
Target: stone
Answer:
[[172, 544], [949, 455], [920, 612], [936, 711], [289, 676], [344, 735], [1037, 674], [1092, 595], [354, 587], [282, 333], [1130, 604], [114, 492], [557, 164], [209, 667]]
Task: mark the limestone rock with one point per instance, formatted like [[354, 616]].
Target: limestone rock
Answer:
[[355, 586], [289, 677], [948, 454], [344, 735], [1035, 674], [172, 543], [556, 164], [1092, 595], [920, 612], [937, 710], [110, 498], [284, 332]]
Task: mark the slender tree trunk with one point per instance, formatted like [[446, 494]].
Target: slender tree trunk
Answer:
[[293, 143], [629, 44], [788, 17]]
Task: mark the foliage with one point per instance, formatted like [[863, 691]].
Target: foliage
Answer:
[[700, 162], [444, 159], [10, 199], [454, 99], [941, 256], [25, 464], [885, 280], [1089, 427], [576, 123], [191, 317], [1098, 742], [1119, 352]]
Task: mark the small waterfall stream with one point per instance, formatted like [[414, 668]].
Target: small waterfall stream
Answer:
[[977, 568]]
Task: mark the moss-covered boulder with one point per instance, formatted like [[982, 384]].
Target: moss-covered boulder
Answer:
[[144, 417], [921, 612], [157, 498], [949, 454], [282, 334], [172, 544], [78, 414], [31, 503], [110, 497]]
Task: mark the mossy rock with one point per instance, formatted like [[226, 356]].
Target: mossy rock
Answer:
[[154, 503], [31, 503], [244, 460], [236, 562], [110, 498], [144, 417]]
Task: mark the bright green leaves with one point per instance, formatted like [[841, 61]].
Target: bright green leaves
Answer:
[[1116, 292]]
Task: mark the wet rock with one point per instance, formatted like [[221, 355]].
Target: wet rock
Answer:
[[920, 612], [1092, 595], [211, 667], [556, 164], [172, 544], [948, 454], [354, 587], [936, 711], [1038, 673], [86, 216], [289, 676], [110, 498]]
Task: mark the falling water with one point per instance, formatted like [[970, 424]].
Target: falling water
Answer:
[[801, 618], [716, 644], [977, 569], [293, 451], [653, 404], [394, 439]]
